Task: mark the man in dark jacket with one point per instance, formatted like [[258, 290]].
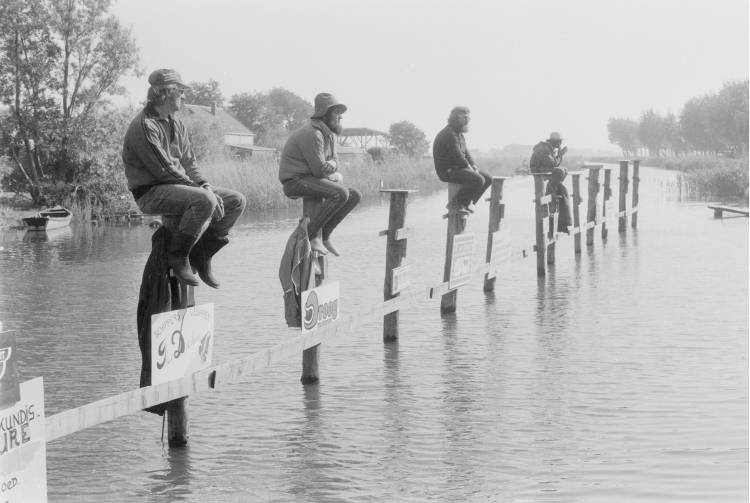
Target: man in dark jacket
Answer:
[[309, 168], [453, 162], [164, 178], [546, 158]]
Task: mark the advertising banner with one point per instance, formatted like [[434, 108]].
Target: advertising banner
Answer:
[[320, 306], [463, 250]]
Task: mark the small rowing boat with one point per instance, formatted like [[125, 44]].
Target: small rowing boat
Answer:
[[45, 220]]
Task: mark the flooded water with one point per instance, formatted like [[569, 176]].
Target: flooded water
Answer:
[[621, 376]]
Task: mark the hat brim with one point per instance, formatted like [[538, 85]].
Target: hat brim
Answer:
[[320, 115]]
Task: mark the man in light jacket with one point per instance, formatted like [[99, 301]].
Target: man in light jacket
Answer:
[[309, 168]]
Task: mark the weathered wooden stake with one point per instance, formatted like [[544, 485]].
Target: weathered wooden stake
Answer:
[[541, 211], [605, 197], [622, 222], [456, 225], [310, 356], [591, 215], [636, 182], [497, 212], [395, 253], [576, 211]]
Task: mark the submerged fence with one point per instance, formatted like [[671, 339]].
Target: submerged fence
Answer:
[[397, 293]]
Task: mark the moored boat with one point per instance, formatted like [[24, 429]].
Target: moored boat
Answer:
[[45, 220]]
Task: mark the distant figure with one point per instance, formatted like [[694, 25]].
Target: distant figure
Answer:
[[164, 178], [546, 158], [309, 168], [453, 162]]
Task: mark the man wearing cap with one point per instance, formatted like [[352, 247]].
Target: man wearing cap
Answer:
[[546, 158], [454, 164], [164, 178], [309, 168]]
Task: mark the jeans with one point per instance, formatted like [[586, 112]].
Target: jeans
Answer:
[[195, 206], [473, 184], [338, 201]]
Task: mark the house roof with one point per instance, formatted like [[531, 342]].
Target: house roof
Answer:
[[228, 124]]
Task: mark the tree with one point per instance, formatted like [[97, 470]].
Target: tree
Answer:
[[729, 116], [623, 133], [653, 132], [695, 124], [204, 93], [407, 139], [59, 61]]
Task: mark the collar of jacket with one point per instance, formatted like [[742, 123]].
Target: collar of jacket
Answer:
[[323, 127]]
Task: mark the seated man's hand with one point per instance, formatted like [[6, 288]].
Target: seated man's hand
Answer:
[[336, 177], [219, 211], [564, 151]]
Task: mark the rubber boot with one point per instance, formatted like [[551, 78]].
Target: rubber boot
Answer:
[[200, 256], [178, 249]]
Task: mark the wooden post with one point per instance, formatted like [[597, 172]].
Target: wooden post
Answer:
[[310, 356], [591, 216], [605, 197], [718, 213], [497, 212], [576, 212], [456, 225], [622, 222], [540, 211], [395, 253], [183, 296], [636, 182]]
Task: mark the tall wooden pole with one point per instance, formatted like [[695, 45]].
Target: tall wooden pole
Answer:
[[605, 197], [497, 212], [636, 183], [622, 222], [456, 225], [540, 213], [395, 253], [591, 215], [576, 212], [310, 356]]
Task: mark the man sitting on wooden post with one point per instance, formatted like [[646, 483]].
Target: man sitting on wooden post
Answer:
[[546, 158], [309, 168], [164, 178], [453, 162]]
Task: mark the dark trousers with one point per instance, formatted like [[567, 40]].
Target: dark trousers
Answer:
[[473, 184], [556, 187], [338, 201]]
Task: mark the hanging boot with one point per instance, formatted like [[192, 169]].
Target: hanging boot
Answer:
[[178, 249], [204, 249]]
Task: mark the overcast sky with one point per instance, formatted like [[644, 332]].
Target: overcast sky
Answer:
[[524, 67]]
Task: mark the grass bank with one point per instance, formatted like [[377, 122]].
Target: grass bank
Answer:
[[711, 177]]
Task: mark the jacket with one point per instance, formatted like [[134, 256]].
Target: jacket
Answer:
[[543, 158], [449, 152], [296, 272], [308, 152]]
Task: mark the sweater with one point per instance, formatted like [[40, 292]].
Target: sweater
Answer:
[[308, 152], [449, 152]]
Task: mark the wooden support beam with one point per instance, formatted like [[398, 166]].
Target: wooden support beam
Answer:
[[539, 215], [591, 213], [496, 216], [311, 356], [456, 225], [605, 197], [395, 253], [576, 211], [634, 202], [623, 191]]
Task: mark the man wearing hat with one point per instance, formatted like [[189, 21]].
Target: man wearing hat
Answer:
[[309, 168], [454, 164], [546, 158], [164, 178]]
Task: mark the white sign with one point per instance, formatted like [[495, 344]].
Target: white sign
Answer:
[[23, 447], [463, 250], [501, 251], [182, 342], [320, 306], [400, 279]]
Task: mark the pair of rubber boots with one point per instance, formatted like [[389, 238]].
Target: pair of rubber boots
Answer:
[[182, 254]]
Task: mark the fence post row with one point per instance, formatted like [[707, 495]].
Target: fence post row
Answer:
[[456, 225], [545, 207], [622, 221], [497, 213], [310, 356], [395, 253], [605, 197], [636, 182], [591, 214]]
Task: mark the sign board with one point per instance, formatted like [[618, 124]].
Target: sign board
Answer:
[[463, 250], [501, 251], [182, 342], [400, 279], [320, 306], [23, 446], [10, 391]]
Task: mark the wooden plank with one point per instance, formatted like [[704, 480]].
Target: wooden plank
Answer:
[[731, 209]]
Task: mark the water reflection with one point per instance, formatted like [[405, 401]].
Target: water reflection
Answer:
[[173, 483]]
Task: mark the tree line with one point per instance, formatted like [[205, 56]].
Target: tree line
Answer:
[[714, 123]]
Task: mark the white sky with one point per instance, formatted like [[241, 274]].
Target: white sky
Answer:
[[524, 67]]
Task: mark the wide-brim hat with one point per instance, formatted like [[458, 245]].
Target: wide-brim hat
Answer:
[[324, 102], [554, 136], [166, 77]]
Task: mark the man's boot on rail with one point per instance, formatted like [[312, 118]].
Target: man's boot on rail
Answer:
[[178, 250], [200, 256]]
